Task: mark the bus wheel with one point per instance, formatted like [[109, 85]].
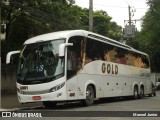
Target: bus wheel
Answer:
[[49, 104], [141, 95], [135, 96], [89, 96]]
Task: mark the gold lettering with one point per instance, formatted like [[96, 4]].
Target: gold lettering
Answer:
[[108, 68], [112, 69], [116, 69], [103, 68]]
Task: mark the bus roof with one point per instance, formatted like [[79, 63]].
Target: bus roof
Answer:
[[70, 33], [53, 35]]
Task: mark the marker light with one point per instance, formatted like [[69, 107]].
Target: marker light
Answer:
[[36, 97]]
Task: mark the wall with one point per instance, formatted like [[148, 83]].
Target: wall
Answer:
[[8, 78]]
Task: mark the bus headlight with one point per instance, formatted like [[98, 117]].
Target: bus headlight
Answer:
[[57, 87]]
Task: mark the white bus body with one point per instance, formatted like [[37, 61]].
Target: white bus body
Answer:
[[85, 67]]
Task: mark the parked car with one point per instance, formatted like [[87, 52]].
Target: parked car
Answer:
[[154, 88], [158, 84]]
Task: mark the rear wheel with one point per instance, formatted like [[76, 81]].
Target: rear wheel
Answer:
[[135, 93], [49, 104], [89, 96]]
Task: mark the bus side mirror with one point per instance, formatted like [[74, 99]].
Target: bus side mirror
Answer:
[[8, 58], [62, 48]]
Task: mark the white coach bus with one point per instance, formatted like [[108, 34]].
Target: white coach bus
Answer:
[[79, 65]]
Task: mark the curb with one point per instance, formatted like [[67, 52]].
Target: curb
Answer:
[[24, 108]]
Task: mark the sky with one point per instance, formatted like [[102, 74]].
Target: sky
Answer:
[[118, 9]]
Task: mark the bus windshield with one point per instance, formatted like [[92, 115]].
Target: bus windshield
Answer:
[[40, 63]]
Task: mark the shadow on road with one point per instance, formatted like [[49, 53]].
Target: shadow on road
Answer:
[[78, 104]]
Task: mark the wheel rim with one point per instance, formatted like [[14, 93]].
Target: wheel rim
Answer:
[[89, 96]]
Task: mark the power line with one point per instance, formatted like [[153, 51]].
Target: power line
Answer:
[[127, 2], [110, 5]]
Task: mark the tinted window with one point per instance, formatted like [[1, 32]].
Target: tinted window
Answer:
[[97, 50], [75, 55]]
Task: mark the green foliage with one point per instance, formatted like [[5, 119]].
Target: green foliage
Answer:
[[148, 39], [101, 22], [27, 18]]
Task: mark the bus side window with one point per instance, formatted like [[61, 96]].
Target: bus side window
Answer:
[[75, 55], [145, 61], [110, 54], [107, 49], [121, 56], [99, 51], [90, 51], [130, 58]]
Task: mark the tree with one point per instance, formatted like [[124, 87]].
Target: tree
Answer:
[[101, 22], [104, 26], [28, 18], [148, 39]]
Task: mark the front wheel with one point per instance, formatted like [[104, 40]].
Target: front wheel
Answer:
[[89, 96]]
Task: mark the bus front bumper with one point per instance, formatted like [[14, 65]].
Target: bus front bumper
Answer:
[[53, 96]]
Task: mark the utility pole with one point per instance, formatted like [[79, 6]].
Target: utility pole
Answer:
[[0, 19], [0, 40], [130, 28], [0, 36], [129, 10], [90, 15], [130, 38]]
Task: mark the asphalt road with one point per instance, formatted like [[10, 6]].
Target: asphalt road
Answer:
[[114, 104], [106, 105]]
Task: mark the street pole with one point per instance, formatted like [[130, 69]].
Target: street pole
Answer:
[[129, 10], [0, 19], [0, 48], [90, 15], [0, 31]]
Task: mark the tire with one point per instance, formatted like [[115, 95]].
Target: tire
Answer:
[[49, 104], [135, 93], [154, 94], [89, 96], [141, 95]]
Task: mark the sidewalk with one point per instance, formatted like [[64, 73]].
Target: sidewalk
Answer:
[[10, 102]]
